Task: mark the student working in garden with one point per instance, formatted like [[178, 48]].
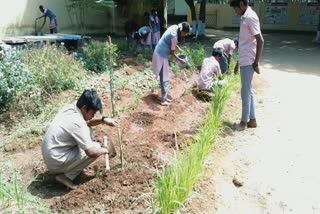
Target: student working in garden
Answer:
[[166, 47], [228, 46], [250, 49], [210, 71], [67, 147], [154, 23], [143, 36], [53, 24]]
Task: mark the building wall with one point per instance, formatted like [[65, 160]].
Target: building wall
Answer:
[[181, 8], [225, 17], [17, 17]]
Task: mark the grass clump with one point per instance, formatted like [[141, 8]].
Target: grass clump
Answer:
[[179, 178], [14, 197], [195, 56]]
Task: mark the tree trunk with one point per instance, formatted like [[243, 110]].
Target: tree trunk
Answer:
[[202, 14], [202, 18], [192, 8]]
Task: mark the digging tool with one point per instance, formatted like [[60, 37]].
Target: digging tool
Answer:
[[106, 144], [111, 151]]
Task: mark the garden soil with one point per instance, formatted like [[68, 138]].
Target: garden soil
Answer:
[[271, 169], [149, 131]]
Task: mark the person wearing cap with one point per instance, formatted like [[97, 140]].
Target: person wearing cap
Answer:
[[53, 24], [143, 36], [250, 50], [210, 71], [228, 46], [167, 46], [67, 147]]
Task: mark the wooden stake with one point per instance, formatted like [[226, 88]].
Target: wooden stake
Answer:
[[111, 76], [121, 147]]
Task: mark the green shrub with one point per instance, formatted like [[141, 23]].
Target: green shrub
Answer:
[[95, 55], [195, 56], [14, 77], [52, 70]]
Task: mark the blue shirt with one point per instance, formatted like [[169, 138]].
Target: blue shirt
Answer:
[[155, 23], [50, 14], [144, 30], [163, 47]]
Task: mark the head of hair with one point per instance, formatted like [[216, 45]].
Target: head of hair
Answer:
[[236, 3], [217, 52], [90, 99], [41, 8], [146, 14], [185, 26], [153, 11], [136, 35], [236, 42]]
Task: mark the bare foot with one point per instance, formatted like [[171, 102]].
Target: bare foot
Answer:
[[165, 103], [169, 100], [65, 181]]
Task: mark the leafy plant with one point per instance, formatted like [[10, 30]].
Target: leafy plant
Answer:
[[95, 55], [14, 76], [195, 56]]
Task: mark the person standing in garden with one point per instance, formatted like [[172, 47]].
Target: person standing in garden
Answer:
[[167, 46], [228, 46], [67, 147], [154, 23], [53, 24], [250, 50]]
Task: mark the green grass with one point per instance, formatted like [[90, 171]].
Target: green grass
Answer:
[[14, 197], [178, 179]]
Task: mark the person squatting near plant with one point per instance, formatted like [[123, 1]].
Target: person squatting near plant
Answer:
[[154, 23], [228, 46], [143, 36], [67, 147], [166, 47], [250, 50], [53, 24], [210, 71]]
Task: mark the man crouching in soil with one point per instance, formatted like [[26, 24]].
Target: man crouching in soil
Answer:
[[67, 147]]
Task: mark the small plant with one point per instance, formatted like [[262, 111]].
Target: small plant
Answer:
[[14, 197], [14, 76], [179, 178], [195, 56], [95, 55]]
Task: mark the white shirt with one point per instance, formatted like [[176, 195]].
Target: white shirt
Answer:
[[227, 45], [249, 27], [67, 134], [210, 68]]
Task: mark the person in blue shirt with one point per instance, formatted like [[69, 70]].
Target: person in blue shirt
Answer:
[[53, 24], [167, 46], [154, 23], [143, 36]]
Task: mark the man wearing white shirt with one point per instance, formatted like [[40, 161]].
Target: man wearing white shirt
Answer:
[[250, 49], [67, 147]]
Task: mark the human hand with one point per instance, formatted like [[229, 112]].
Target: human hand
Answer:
[[182, 61], [256, 68], [110, 122]]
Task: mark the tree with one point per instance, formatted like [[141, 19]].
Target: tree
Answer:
[[190, 3], [202, 17]]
